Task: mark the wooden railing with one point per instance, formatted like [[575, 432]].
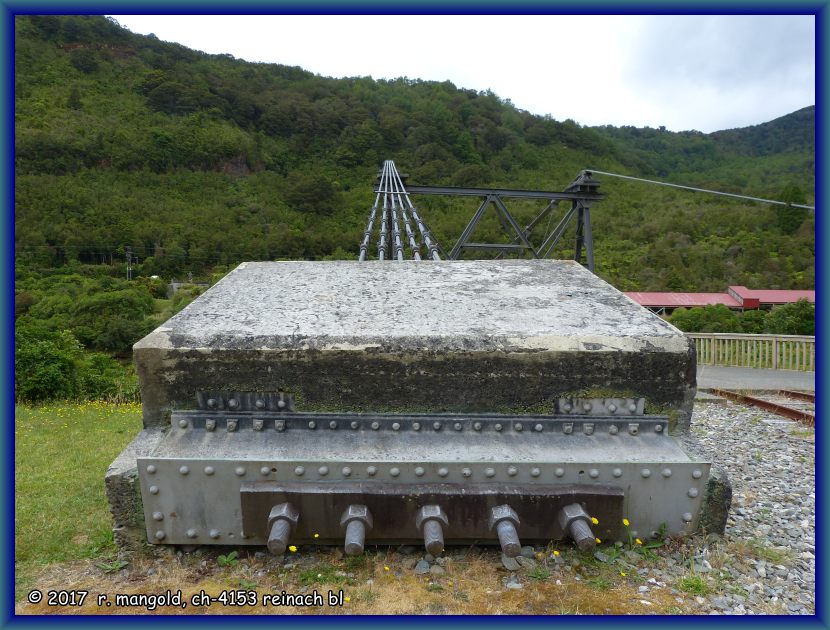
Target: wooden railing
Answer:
[[777, 352]]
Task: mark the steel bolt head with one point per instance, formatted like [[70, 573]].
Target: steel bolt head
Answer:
[[356, 513], [617, 472], [457, 426], [232, 424], [240, 471], [436, 426], [312, 425], [151, 469], [498, 426], [535, 472], [233, 403], [419, 471], [265, 470], [687, 517], [696, 474], [396, 426], [184, 470], [634, 428], [371, 470], [333, 425], [214, 533], [587, 406], [477, 426], [209, 470], [538, 428], [567, 407], [512, 471], [466, 472], [284, 511], [416, 426], [443, 472], [347, 472], [299, 471], [323, 471], [502, 513], [158, 516], [191, 533], [666, 472], [559, 472], [160, 535], [394, 471], [693, 492], [375, 426], [613, 429], [355, 425], [645, 473], [279, 425], [612, 408], [210, 424], [211, 403], [658, 428], [154, 489], [430, 513], [632, 407], [183, 423], [570, 513], [281, 404], [593, 473], [259, 404]]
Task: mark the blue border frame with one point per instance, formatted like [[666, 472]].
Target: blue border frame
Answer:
[[10, 9]]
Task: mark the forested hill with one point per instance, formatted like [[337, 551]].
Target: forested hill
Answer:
[[197, 162]]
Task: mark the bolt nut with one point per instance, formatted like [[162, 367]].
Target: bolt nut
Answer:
[[284, 511], [430, 513], [571, 513], [502, 513], [356, 513]]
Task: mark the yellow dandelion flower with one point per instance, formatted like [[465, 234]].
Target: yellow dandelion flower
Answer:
[[555, 552], [385, 568], [638, 541], [348, 599], [292, 548], [599, 542], [625, 522], [317, 535], [595, 520], [622, 573]]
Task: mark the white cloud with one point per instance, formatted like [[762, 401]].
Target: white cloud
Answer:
[[684, 72]]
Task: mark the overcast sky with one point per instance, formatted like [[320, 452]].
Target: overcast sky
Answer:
[[683, 72]]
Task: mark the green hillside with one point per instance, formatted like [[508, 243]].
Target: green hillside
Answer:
[[196, 162]]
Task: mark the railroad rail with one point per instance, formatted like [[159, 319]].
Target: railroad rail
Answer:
[[799, 415]]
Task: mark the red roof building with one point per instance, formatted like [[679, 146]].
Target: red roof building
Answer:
[[736, 297]]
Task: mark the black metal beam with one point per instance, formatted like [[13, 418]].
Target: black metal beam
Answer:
[[501, 192]]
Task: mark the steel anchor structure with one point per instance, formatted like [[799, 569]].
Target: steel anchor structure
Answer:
[[299, 402]]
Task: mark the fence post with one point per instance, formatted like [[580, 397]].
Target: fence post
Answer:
[[775, 353]]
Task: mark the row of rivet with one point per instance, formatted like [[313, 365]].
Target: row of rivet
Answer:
[[588, 406], [466, 471], [567, 427]]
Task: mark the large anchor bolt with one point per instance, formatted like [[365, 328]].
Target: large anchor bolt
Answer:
[[429, 520], [356, 519], [505, 520], [281, 522], [575, 521]]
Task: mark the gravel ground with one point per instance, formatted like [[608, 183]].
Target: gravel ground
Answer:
[[768, 551]]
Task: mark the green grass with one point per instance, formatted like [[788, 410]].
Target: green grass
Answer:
[[694, 584], [62, 452]]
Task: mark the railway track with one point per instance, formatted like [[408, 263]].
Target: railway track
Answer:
[[776, 406]]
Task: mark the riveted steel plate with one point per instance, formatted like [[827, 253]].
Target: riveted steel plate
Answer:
[[204, 495]]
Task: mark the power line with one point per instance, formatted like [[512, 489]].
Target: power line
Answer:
[[706, 190]]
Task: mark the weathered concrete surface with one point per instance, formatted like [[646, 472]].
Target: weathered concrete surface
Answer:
[[124, 493], [506, 336]]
